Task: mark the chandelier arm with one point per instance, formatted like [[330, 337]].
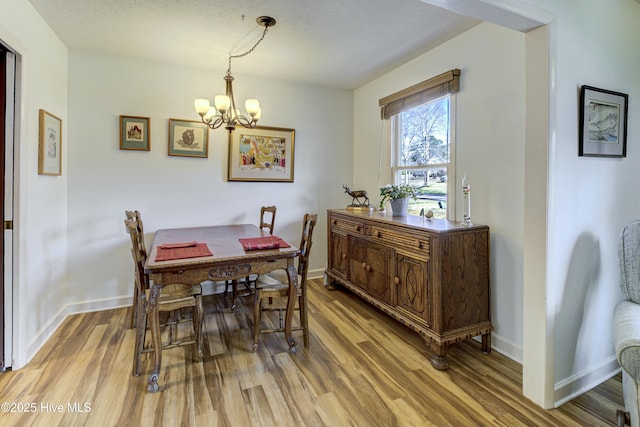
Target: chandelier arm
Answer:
[[214, 124], [245, 122]]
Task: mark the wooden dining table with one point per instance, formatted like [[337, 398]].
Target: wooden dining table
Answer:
[[228, 261]]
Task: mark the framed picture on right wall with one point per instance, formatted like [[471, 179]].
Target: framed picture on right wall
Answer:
[[603, 122]]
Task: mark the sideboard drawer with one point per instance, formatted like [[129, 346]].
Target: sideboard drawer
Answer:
[[417, 242], [346, 225]]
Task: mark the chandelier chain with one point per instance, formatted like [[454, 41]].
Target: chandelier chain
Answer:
[[264, 33]]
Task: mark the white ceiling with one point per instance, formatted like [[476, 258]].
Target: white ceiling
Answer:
[[337, 43]]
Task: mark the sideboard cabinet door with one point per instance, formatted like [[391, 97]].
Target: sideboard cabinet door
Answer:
[[412, 287], [338, 253], [369, 268]]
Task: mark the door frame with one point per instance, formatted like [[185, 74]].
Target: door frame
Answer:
[[9, 82]]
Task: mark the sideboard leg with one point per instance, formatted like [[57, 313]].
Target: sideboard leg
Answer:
[[329, 284], [439, 355], [486, 343]]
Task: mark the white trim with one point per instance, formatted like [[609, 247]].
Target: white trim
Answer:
[[12, 69], [506, 348], [451, 170], [584, 381], [449, 166], [47, 331], [514, 14]]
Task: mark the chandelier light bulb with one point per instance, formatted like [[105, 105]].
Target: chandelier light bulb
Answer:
[[202, 106], [222, 102], [252, 106], [210, 114]]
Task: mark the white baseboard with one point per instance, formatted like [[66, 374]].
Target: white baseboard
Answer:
[[506, 348], [54, 323], [584, 381]]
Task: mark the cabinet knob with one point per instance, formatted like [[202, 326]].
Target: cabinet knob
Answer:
[[364, 265], [396, 280], [344, 256], [377, 233], [368, 267], [334, 222], [417, 244]]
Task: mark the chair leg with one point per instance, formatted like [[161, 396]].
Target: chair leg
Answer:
[[248, 281], [141, 330], [198, 320], [623, 418], [173, 325], [304, 320], [134, 308], [257, 313], [247, 284]]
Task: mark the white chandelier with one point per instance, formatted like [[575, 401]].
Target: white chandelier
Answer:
[[225, 112]]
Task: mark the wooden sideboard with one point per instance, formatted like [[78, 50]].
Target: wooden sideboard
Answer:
[[431, 275]]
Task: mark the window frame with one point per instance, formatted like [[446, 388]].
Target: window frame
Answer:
[[432, 89], [397, 169]]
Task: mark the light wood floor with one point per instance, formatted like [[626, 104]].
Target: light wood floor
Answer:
[[361, 369]]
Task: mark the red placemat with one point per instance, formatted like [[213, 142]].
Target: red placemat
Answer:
[[172, 251], [267, 242]]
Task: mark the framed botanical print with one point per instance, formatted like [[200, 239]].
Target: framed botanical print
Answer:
[[134, 133], [261, 154], [49, 144], [188, 138]]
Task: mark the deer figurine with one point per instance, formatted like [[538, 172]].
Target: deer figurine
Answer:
[[356, 196]]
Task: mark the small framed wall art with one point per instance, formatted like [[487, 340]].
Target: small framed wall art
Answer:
[[261, 154], [49, 144], [135, 133], [603, 122], [188, 138]]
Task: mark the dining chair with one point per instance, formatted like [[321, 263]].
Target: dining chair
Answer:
[[267, 221], [173, 297], [267, 218], [135, 216], [276, 285]]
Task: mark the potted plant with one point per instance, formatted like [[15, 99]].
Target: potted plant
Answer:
[[399, 196]]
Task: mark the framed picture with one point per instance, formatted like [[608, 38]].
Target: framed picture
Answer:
[[134, 133], [603, 122], [49, 144], [188, 138], [261, 154]]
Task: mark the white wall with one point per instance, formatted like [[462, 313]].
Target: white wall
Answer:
[[592, 198], [39, 289], [180, 191], [489, 148]]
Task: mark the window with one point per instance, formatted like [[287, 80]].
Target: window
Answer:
[[422, 142]]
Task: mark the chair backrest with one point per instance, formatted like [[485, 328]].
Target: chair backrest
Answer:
[[629, 258], [308, 224], [135, 216], [266, 220], [139, 255]]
